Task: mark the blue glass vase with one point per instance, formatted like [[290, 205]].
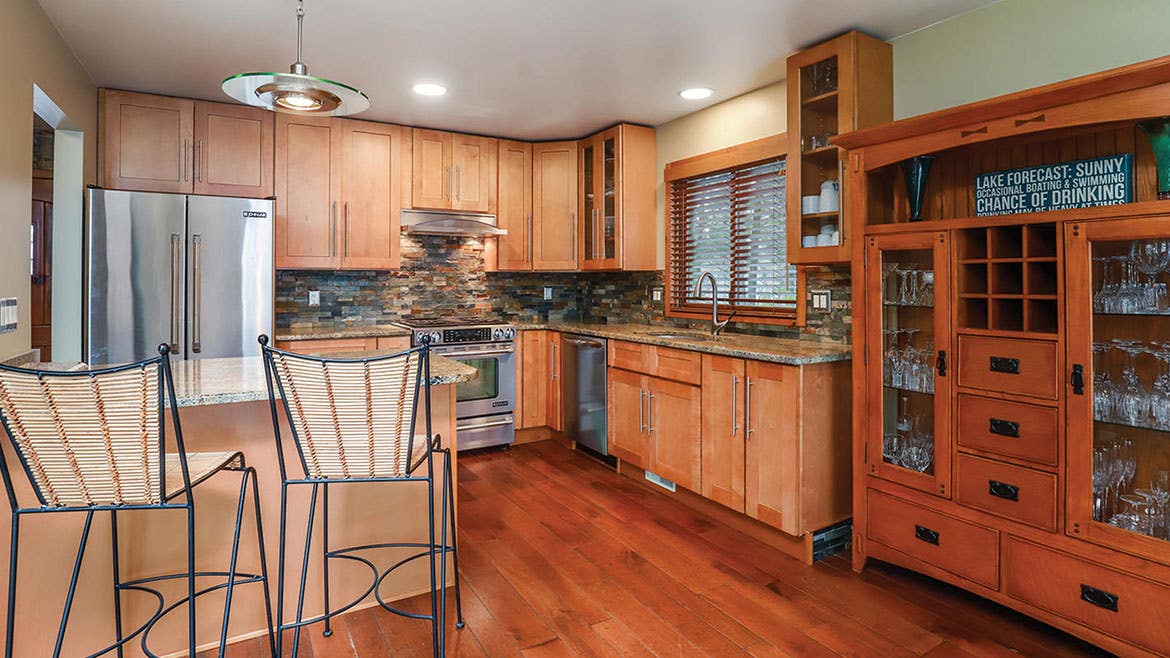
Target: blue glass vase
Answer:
[[916, 170], [1158, 130]]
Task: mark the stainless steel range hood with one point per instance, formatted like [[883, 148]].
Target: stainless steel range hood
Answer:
[[439, 222]]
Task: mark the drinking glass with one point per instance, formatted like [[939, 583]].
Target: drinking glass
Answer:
[[1151, 257], [891, 293], [1103, 389], [1132, 401]]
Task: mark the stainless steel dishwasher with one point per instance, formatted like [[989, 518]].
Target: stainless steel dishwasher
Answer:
[[583, 391]]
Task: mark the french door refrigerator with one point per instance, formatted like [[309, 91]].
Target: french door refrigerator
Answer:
[[194, 272]]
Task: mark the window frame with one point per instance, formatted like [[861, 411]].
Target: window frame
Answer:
[[733, 157]]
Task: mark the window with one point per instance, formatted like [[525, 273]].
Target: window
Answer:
[[731, 222]]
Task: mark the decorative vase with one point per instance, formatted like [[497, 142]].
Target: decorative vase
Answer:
[[1158, 130], [916, 170]]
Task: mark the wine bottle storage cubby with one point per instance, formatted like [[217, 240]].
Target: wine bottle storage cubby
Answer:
[[1007, 278]]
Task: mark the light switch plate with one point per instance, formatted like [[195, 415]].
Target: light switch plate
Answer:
[[821, 300], [656, 294], [548, 292], [314, 298], [7, 315]]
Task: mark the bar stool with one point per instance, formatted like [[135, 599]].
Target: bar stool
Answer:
[[96, 441], [353, 420]]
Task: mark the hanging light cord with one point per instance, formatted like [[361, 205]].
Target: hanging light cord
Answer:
[[300, 23]]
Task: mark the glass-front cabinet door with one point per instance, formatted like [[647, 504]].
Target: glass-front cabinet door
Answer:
[[908, 358], [1118, 337], [601, 200], [588, 193]]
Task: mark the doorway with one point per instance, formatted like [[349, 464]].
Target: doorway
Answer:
[[41, 240]]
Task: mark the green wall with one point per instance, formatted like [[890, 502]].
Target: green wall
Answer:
[[1019, 44]]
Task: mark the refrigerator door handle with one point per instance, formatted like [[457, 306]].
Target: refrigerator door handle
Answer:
[[197, 291], [176, 290]]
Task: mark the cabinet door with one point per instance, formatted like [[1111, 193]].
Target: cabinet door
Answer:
[[675, 413], [233, 150], [146, 142], [1117, 384], [626, 421], [600, 228], [909, 354], [514, 206], [308, 186], [773, 443], [587, 191], [556, 414], [534, 374], [723, 430], [371, 196], [554, 206], [474, 160], [431, 178]]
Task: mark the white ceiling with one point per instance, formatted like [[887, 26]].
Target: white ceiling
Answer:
[[529, 69]]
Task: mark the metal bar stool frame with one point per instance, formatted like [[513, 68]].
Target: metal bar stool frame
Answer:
[[180, 498], [436, 551]]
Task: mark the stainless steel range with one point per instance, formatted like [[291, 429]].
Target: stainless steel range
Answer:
[[485, 405]]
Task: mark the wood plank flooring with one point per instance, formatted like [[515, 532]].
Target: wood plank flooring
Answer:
[[563, 557]]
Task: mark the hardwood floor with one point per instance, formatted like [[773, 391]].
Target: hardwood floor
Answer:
[[563, 557]]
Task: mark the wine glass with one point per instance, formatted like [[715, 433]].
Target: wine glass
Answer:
[[1103, 389], [888, 268], [1151, 257], [1132, 402]]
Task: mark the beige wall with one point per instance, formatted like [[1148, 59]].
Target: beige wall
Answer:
[[756, 114], [1018, 44], [32, 52]]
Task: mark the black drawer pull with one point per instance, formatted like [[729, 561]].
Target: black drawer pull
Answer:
[[1078, 379], [1003, 490], [1004, 427], [926, 534], [1099, 597], [1005, 365]]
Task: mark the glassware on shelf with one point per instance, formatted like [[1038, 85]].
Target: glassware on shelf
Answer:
[[1122, 290], [1151, 258], [1103, 391], [1132, 401]]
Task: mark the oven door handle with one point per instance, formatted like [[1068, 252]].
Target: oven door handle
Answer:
[[498, 423], [456, 355]]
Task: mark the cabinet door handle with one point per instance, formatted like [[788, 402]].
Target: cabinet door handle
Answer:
[[199, 161], [1003, 490], [1099, 597], [942, 363], [747, 401], [1005, 365], [1004, 427], [734, 393], [333, 228], [345, 228], [183, 161], [926, 534], [1078, 379], [649, 412], [530, 240], [641, 412], [572, 236], [458, 186], [552, 360], [447, 183]]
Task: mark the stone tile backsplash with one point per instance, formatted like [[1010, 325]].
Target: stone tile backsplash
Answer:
[[444, 276]]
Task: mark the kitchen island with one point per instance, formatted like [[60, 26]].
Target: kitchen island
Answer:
[[223, 405]]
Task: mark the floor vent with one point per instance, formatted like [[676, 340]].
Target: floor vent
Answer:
[[661, 481], [832, 539]]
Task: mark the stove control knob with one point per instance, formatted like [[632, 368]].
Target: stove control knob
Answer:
[[436, 337], [497, 334], [509, 333]]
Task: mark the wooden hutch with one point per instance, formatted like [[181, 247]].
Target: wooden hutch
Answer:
[[995, 447]]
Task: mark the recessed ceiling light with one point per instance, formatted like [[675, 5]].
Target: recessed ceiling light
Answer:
[[696, 93], [429, 89]]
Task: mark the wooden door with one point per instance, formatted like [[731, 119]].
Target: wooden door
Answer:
[[556, 413], [514, 206], [308, 187], [474, 160], [554, 206], [145, 142], [41, 298], [534, 376], [233, 150], [773, 422], [626, 416], [600, 231], [431, 164], [676, 446], [723, 430], [371, 196]]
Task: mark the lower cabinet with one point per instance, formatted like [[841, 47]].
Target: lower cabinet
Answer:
[[724, 401], [538, 388], [626, 416], [326, 346], [655, 424], [556, 412]]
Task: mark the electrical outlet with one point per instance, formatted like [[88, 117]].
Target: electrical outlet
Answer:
[[314, 298], [821, 300], [7, 315], [548, 292], [656, 294]]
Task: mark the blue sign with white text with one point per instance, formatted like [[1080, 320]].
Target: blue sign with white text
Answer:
[[1103, 181]]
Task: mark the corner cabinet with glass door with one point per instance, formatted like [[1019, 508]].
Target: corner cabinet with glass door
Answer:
[[909, 392], [599, 195], [1118, 483]]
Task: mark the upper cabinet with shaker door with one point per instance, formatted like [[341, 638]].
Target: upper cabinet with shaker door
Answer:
[[431, 178], [145, 142], [554, 206], [617, 182], [161, 144], [453, 171], [372, 180], [309, 167], [514, 206]]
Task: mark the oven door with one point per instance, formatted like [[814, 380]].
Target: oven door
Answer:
[[493, 390]]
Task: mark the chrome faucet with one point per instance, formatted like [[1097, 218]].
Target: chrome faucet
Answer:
[[716, 325]]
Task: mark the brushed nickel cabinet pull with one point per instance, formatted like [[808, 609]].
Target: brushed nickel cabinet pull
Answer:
[[734, 393], [747, 401]]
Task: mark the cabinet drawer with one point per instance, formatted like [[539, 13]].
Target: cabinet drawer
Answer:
[[629, 356], [328, 345], [962, 548], [1011, 429], [1010, 491], [679, 365], [1026, 367], [1115, 603]]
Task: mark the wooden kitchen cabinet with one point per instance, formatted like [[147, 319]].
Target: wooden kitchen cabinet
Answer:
[[431, 169], [474, 161], [556, 414], [145, 142], [724, 400], [325, 346], [534, 376], [554, 206], [453, 171], [309, 164], [233, 150], [371, 195], [674, 418], [626, 416], [514, 206], [616, 188]]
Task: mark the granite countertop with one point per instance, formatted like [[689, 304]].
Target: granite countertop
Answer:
[[333, 332]]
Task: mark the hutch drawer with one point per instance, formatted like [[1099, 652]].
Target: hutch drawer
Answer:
[[1011, 429], [1112, 602], [962, 548], [1024, 367], [1011, 491]]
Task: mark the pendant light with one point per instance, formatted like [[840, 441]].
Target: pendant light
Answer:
[[296, 92]]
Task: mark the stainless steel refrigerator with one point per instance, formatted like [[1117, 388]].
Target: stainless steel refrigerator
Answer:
[[191, 271]]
